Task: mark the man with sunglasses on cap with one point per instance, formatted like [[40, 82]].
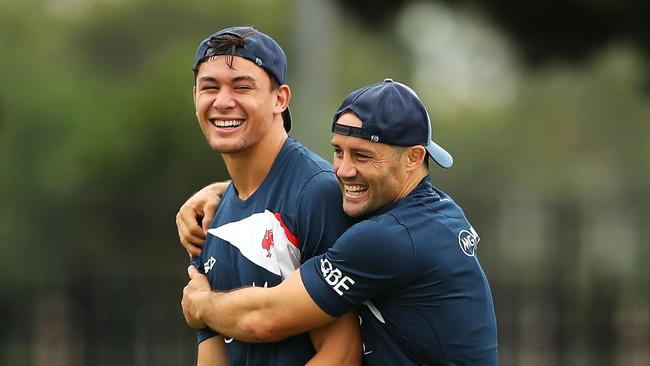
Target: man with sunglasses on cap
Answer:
[[409, 265], [281, 208]]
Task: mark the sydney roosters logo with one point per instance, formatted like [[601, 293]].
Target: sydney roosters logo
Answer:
[[267, 241]]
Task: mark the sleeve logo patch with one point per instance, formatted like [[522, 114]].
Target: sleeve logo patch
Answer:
[[334, 277], [468, 241]]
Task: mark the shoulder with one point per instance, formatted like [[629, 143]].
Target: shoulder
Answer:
[[382, 232], [316, 174], [438, 225], [383, 239], [301, 174], [321, 193], [299, 154], [430, 211], [380, 227], [322, 182]]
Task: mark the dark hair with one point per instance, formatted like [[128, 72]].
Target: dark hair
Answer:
[[227, 44]]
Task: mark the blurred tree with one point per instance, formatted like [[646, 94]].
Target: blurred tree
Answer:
[[543, 30]]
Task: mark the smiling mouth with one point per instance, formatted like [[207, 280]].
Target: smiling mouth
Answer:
[[355, 190], [230, 123]]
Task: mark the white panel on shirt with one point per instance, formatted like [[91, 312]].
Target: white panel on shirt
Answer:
[[262, 240]]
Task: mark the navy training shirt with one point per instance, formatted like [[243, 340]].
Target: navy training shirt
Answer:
[[413, 268], [294, 215]]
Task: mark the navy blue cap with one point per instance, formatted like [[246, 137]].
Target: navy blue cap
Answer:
[[258, 48], [391, 113]]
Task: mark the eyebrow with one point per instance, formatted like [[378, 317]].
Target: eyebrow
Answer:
[[234, 80], [208, 79], [356, 150], [247, 78], [363, 151]]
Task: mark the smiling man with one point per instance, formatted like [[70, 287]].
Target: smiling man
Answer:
[[410, 265], [282, 207]]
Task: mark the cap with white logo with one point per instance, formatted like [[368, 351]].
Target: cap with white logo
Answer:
[[259, 48], [391, 113]]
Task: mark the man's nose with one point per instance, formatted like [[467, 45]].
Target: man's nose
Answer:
[[345, 168], [224, 100]]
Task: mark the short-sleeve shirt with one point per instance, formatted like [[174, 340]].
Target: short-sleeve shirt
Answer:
[[413, 270], [295, 214]]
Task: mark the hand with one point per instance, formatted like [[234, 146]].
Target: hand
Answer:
[[194, 217], [193, 295]]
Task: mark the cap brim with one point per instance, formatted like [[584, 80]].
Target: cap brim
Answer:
[[286, 117], [440, 155]]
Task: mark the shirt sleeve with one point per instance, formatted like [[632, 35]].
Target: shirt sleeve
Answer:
[[372, 258], [205, 333], [320, 217]]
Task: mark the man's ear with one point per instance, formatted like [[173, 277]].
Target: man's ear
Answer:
[[415, 156], [282, 99]]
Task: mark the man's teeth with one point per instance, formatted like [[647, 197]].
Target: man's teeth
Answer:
[[229, 123], [355, 188]]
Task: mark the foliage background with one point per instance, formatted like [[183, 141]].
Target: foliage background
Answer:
[[547, 121]]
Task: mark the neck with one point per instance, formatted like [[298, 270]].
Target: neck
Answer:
[[248, 168], [412, 182]]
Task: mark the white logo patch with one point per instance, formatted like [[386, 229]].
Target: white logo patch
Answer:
[[334, 277], [468, 241], [207, 266]]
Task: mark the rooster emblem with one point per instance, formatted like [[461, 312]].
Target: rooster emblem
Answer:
[[267, 241]]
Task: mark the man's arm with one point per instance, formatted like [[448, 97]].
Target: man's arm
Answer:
[[258, 314], [212, 352], [253, 314], [194, 217], [337, 343]]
